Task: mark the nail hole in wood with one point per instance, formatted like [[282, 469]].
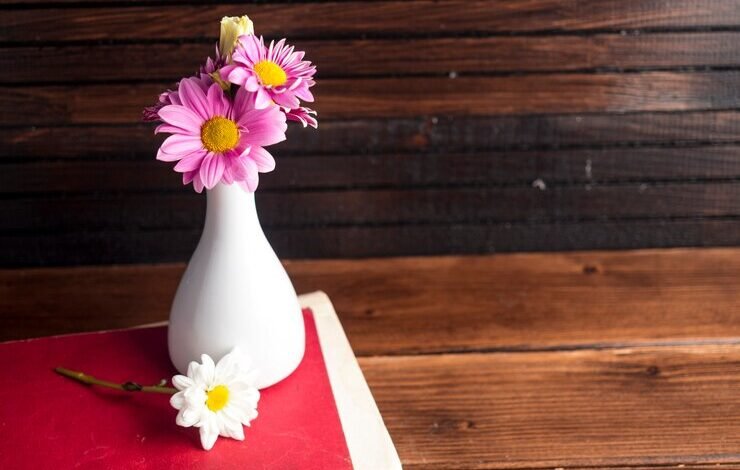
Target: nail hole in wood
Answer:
[[590, 269]]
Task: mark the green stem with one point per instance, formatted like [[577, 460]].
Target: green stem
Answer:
[[125, 387]]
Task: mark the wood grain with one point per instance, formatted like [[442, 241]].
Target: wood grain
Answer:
[[513, 167], [332, 19], [617, 360], [425, 305], [446, 127], [387, 57], [185, 209], [663, 406], [393, 97], [132, 245], [442, 134]]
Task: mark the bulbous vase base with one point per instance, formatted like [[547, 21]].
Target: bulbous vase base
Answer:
[[236, 293]]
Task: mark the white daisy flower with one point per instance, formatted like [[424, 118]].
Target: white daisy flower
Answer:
[[219, 399]]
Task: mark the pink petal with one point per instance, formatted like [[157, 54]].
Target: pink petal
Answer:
[[253, 48], [181, 144], [168, 129], [305, 116], [252, 179], [243, 102], [265, 126], [228, 176], [165, 157], [211, 170], [175, 98], [194, 98], [278, 47], [262, 158], [287, 99], [238, 171], [190, 163], [251, 83], [296, 83], [305, 94], [217, 101], [197, 183], [263, 99], [180, 116], [235, 74], [188, 177]]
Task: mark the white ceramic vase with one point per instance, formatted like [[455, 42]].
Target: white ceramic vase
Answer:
[[235, 292]]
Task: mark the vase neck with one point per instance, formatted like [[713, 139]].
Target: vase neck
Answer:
[[230, 209]]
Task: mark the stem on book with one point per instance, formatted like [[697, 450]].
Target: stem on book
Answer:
[[125, 387]]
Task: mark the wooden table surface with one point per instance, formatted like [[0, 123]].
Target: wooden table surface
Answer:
[[573, 360]]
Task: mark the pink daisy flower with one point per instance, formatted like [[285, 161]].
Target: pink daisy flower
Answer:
[[214, 140], [276, 73]]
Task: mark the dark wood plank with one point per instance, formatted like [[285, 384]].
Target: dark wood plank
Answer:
[[395, 97], [387, 57], [361, 18], [443, 134], [150, 246], [655, 91], [535, 204], [553, 167], [602, 409], [424, 305]]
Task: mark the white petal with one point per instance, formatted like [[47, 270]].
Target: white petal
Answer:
[[187, 417], [195, 397], [177, 400], [235, 417], [182, 382], [244, 412], [231, 427], [206, 371], [208, 434], [239, 383], [252, 396], [226, 368], [193, 368]]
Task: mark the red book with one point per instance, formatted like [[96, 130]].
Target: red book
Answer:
[[311, 420]]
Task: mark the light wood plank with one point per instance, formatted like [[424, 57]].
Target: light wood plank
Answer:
[[656, 406], [432, 304]]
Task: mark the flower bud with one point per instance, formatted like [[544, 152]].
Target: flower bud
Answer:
[[231, 28]]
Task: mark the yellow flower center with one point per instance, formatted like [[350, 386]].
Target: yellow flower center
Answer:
[[217, 397], [219, 134], [270, 73]]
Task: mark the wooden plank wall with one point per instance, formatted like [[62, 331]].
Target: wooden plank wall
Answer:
[[446, 127]]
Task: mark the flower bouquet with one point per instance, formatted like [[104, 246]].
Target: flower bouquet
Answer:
[[235, 308], [222, 118]]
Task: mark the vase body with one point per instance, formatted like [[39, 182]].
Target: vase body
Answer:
[[235, 292]]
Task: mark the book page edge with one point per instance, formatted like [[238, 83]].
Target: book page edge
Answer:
[[369, 443]]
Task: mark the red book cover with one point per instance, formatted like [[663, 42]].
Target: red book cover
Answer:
[[49, 421]]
